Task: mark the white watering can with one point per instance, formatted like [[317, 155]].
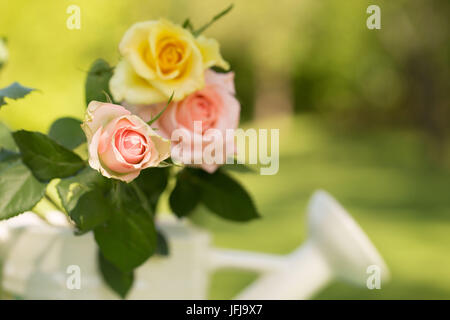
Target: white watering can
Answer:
[[37, 260]]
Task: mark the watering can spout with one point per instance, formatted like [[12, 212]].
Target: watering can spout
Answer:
[[336, 248], [346, 247]]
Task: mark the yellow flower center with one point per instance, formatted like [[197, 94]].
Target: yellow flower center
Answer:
[[171, 55]]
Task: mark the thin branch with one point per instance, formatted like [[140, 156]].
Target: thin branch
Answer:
[[162, 111], [214, 19]]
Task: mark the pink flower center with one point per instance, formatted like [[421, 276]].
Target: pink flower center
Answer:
[[204, 106], [131, 144]]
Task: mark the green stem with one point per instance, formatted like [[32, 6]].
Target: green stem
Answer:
[[142, 198], [116, 192], [214, 19]]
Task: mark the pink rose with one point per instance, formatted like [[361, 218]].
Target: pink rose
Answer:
[[121, 144], [217, 109]]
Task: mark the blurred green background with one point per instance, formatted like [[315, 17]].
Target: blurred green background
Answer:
[[363, 114]]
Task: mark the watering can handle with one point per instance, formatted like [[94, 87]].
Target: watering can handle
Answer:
[[225, 258], [296, 276]]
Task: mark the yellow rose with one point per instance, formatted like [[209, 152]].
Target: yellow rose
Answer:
[[159, 58]]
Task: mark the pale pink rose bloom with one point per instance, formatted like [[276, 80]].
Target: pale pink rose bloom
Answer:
[[215, 106], [121, 144]]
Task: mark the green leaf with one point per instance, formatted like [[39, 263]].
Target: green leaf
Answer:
[[162, 246], [153, 182], [214, 19], [162, 111], [97, 81], [14, 91], [6, 139], [92, 209], [225, 196], [46, 158], [19, 190], [128, 238], [186, 194], [67, 132], [120, 282], [85, 198], [71, 189]]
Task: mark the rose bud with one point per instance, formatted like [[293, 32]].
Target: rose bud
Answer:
[[121, 144]]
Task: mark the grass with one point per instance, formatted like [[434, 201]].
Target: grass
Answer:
[[386, 181]]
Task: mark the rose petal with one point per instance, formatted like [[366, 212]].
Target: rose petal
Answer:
[[126, 85]]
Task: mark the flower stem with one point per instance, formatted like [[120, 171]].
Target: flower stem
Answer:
[[142, 198]]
